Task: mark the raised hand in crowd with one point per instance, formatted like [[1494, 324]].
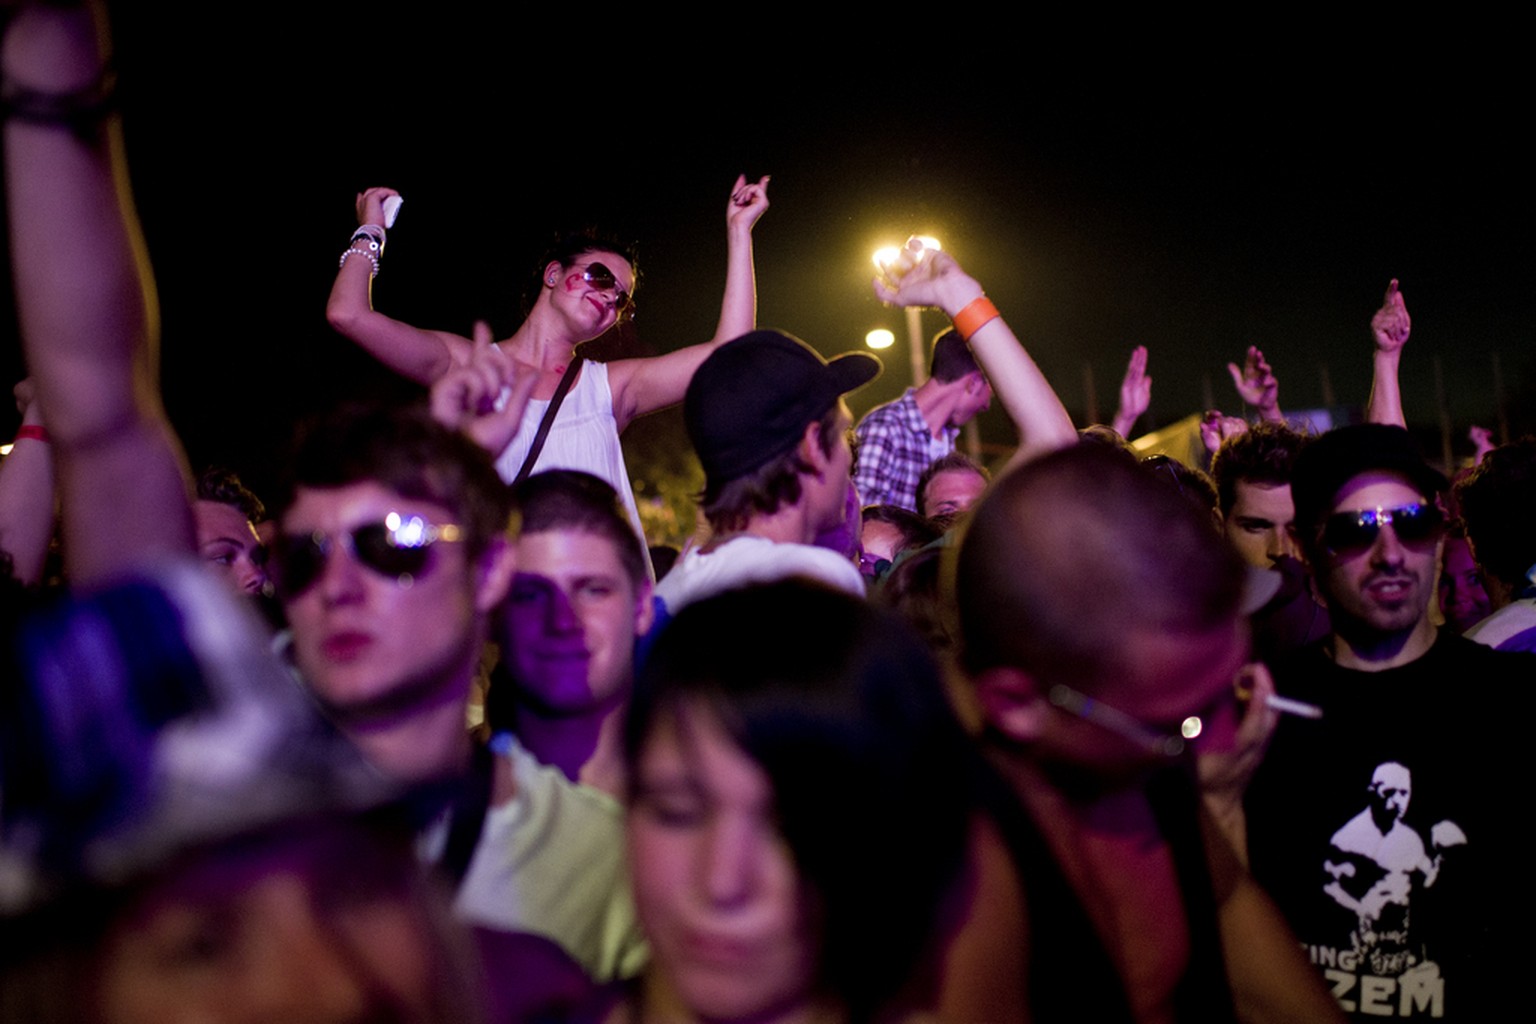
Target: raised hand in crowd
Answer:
[[484, 398], [1482, 442], [1389, 329], [1135, 392], [1257, 385], [1216, 427], [931, 277]]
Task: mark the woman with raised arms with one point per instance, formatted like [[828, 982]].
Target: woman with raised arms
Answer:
[[586, 286]]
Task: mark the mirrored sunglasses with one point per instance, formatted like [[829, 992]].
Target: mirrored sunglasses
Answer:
[[1349, 533], [601, 278], [399, 548]]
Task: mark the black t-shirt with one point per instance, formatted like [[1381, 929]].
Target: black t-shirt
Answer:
[[1393, 831]]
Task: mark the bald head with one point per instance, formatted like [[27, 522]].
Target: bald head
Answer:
[[1067, 558]]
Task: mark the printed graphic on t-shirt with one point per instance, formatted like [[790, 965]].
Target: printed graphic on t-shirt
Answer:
[[1375, 866]]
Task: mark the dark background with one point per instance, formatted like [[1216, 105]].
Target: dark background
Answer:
[[1195, 209]]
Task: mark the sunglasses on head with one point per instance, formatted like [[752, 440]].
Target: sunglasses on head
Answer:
[[1347, 533], [399, 548], [601, 278]]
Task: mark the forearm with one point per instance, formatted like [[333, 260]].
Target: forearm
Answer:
[[84, 295], [411, 352], [1124, 422], [1017, 381], [86, 307], [1386, 401], [1271, 980], [738, 307]]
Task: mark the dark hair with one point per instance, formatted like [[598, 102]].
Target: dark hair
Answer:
[[568, 247], [955, 460], [913, 589], [1108, 437], [216, 483], [952, 358], [915, 530], [573, 501], [767, 488], [410, 453], [1498, 502], [1265, 453], [1067, 555], [869, 766], [1186, 481]]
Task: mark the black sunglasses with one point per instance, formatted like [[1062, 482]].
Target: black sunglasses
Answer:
[[399, 548], [1348, 533], [601, 278]]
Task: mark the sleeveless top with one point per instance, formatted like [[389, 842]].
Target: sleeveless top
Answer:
[[584, 436]]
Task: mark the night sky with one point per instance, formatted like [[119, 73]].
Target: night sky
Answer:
[[1101, 208]]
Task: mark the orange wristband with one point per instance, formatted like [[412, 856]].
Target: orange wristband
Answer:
[[32, 431], [978, 313]]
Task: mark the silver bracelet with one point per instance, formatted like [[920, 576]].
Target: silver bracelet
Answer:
[[370, 257], [375, 235]]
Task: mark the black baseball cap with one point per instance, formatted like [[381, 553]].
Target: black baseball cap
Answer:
[[752, 399]]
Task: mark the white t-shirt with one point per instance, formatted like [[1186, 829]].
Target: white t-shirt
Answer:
[[746, 560]]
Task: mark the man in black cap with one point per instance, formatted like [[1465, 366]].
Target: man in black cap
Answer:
[[1380, 825], [766, 415]]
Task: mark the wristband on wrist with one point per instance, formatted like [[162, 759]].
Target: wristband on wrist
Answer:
[[32, 431], [976, 314], [375, 235], [81, 112], [370, 257]]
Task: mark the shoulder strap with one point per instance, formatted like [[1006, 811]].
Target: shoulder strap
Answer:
[[549, 419], [467, 814]]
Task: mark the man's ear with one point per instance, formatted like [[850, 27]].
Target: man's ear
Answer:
[[811, 450], [497, 566], [552, 273], [1013, 702], [1305, 559], [645, 608], [975, 382]]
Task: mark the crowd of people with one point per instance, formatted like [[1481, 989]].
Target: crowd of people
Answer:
[[428, 734]]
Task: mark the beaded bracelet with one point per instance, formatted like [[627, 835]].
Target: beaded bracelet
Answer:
[[370, 257], [978, 313]]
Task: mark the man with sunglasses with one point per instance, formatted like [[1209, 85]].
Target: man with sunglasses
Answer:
[[1099, 623], [1405, 906], [392, 553]]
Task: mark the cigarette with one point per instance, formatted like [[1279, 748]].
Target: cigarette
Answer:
[[1286, 706]]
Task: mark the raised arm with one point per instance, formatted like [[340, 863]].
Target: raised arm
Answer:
[[421, 355], [1257, 384], [921, 277], [1389, 328], [645, 385], [86, 304], [1135, 392]]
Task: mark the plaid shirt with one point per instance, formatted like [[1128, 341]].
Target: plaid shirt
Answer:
[[895, 446]]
